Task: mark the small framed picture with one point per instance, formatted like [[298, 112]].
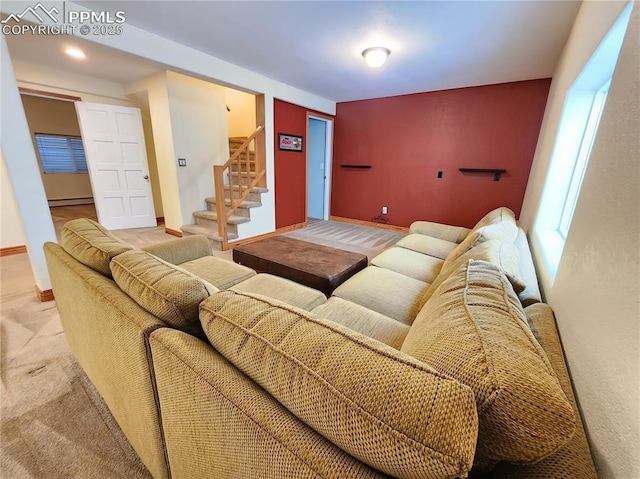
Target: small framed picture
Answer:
[[289, 142]]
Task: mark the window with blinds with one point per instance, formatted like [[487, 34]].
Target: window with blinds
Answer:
[[61, 153]]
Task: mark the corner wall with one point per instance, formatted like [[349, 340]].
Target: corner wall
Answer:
[[199, 126], [595, 294]]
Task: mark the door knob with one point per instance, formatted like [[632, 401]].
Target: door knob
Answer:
[[146, 177]]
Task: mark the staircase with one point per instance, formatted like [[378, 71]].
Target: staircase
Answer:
[[240, 173]]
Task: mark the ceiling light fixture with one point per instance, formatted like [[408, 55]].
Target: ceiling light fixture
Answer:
[[75, 52], [376, 56]]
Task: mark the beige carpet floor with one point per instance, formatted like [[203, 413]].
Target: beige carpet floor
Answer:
[[53, 422]]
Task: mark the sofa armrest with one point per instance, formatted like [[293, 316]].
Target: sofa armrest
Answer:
[[108, 333], [181, 250], [455, 234], [207, 401]]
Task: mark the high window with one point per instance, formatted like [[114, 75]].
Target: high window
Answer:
[[61, 153], [584, 151], [583, 106]]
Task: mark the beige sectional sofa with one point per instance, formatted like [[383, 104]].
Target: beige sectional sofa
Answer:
[[437, 360]]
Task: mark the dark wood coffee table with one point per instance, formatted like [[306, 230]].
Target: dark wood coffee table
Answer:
[[319, 267]]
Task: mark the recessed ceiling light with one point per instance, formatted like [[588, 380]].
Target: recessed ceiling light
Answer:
[[75, 52], [376, 56]]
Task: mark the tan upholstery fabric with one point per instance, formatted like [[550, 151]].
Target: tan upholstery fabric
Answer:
[[410, 263], [219, 272], [363, 320], [387, 292], [163, 289], [435, 247], [283, 290], [473, 328], [221, 425], [379, 405], [107, 331], [531, 292], [181, 250], [495, 217], [455, 234], [91, 244], [573, 460], [501, 253], [499, 224]]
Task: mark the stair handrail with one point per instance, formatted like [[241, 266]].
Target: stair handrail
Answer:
[[223, 214]]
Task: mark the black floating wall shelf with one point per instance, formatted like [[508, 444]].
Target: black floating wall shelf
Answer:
[[496, 172], [356, 166]]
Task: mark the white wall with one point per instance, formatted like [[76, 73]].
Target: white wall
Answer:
[[22, 167], [188, 120], [91, 89], [596, 292], [11, 232], [199, 126], [242, 117]]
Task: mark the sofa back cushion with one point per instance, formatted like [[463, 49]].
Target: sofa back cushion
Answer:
[[165, 290], [376, 403], [499, 224], [474, 329], [503, 254], [92, 244]]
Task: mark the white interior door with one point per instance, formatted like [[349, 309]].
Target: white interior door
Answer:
[[117, 160]]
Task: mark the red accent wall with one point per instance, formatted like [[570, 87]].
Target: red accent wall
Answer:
[[290, 168], [408, 139]]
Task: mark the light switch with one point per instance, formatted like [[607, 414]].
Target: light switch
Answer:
[[182, 162]]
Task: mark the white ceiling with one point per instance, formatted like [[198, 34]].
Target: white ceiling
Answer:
[[316, 46], [100, 62]]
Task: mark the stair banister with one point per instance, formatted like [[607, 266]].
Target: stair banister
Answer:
[[219, 172]]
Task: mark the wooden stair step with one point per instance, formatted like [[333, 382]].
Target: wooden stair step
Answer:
[[255, 189], [213, 216], [246, 204]]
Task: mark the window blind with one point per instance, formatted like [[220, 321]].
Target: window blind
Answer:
[[61, 153]]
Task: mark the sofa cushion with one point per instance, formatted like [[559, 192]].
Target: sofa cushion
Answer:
[[502, 254], [92, 244], [474, 329], [181, 250], [381, 406], [410, 263], [165, 290], [363, 320], [219, 272], [499, 224], [442, 231], [387, 292], [282, 289], [436, 247]]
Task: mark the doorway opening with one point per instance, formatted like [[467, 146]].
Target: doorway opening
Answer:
[[318, 162]]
